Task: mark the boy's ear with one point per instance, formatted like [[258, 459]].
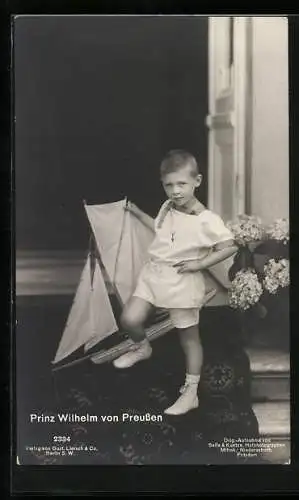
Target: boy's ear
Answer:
[[198, 180]]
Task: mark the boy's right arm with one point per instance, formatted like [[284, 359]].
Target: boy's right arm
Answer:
[[142, 216]]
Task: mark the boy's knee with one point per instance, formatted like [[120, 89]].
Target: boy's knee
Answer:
[[128, 321]]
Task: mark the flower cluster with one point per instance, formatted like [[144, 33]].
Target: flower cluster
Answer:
[[279, 231], [257, 241], [277, 275], [245, 290], [246, 229]]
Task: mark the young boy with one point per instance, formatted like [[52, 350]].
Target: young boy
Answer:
[[188, 239]]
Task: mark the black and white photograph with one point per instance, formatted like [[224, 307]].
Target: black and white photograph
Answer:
[[151, 166]]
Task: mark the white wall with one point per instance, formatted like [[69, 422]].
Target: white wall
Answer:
[[270, 121]]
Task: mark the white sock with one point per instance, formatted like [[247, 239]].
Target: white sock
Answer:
[[192, 379]]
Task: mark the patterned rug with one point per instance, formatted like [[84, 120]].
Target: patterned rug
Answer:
[[203, 436]]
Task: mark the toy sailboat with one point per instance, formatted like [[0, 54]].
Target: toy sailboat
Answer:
[[117, 253]]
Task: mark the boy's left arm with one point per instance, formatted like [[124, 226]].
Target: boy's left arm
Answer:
[[222, 251]]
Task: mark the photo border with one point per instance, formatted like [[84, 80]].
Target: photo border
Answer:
[[77, 480]]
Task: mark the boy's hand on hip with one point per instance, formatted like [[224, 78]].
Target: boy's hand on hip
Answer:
[[188, 266]]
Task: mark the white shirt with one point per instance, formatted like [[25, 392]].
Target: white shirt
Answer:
[[183, 236]]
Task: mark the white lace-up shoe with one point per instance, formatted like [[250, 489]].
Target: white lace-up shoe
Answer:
[[186, 402], [182, 388], [138, 352]]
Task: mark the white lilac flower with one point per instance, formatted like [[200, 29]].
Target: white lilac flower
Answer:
[[279, 230], [246, 229], [277, 275], [245, 290]]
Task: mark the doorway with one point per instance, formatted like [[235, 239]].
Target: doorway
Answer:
[[104, 100]]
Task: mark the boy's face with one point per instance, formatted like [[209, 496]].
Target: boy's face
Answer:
[[180, 185]]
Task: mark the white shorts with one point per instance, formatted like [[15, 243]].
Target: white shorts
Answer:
[[182, 295], [164, 287]]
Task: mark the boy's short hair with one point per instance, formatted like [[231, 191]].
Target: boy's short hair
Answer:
[[177, 159]]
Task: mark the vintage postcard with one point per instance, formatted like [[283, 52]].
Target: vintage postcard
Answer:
[[151, 163]]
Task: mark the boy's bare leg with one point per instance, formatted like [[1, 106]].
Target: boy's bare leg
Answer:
[[191, 345], [133, 317]]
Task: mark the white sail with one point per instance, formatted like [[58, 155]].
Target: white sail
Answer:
[[107, 224], [220, 272], [135, 240], [102, 319], [142, 237], [122, 241], [91, 317]]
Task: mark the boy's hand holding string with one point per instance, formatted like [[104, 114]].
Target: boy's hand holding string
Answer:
[[142, 216]]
